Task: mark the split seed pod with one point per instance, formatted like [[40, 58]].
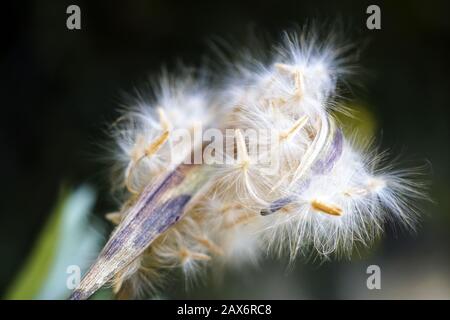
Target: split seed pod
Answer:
[[295, 185]]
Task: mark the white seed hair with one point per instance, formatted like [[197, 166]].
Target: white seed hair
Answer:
[[327, 209]]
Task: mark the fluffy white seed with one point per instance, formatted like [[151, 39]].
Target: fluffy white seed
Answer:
[[304, 187]]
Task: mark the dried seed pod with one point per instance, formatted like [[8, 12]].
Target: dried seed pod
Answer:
[[290, 180]]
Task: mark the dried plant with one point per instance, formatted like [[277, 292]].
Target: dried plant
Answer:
[[299, 185]]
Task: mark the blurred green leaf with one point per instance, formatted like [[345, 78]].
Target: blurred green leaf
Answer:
[[68, 239], [361, 121], [32, 276]]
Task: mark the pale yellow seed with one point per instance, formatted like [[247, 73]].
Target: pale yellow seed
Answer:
[[326, 208], [185, 254], [211, 246], [298, 125], [114, 217], [163, 120], [242, 153], [149, 151], [157, 143]]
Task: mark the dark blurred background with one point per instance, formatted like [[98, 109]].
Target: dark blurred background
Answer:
[[60, 88]]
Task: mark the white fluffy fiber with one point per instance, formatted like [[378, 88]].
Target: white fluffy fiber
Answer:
[[290, 101]]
